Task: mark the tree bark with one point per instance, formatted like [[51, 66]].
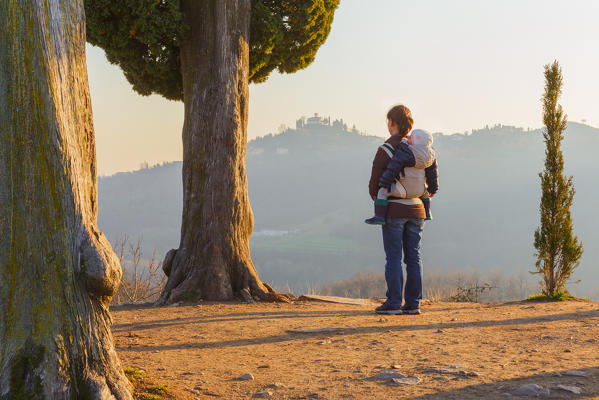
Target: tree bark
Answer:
[[57, 270], [213, 259]]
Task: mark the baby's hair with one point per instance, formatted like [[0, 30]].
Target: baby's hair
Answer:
[[401, 116]]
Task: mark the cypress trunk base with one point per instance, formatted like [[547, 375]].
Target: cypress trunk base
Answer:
[[213, 280]]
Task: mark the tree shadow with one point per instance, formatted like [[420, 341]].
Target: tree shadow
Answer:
[[345, 331], [128, 327], [550, 380]]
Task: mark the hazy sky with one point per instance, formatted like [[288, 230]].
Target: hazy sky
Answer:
[[458, 65]]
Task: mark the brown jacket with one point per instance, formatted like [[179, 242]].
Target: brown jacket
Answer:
[[395, 210]]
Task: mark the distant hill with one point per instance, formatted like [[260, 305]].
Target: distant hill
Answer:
[[308, 190]]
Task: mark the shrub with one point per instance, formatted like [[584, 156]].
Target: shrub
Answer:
[[142, 280]]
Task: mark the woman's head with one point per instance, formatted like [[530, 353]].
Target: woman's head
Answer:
[[399, 120]]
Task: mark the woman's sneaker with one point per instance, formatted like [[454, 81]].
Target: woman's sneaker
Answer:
[[387, 309], [410, 311]]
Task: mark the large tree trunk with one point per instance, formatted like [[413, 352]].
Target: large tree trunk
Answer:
[[57, 271], [213, 259]]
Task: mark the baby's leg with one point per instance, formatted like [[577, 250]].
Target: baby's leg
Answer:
[[380, 208], [426, 200], [380, 204]]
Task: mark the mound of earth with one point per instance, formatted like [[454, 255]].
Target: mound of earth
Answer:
[[308, 350]]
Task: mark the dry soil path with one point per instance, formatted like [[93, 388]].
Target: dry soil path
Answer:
[[451, 351]]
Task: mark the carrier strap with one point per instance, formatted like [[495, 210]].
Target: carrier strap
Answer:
[[389, 149]]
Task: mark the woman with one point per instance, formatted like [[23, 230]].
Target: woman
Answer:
[[403, 229]]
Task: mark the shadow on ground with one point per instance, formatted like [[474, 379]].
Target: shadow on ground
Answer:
[[588, 385], [337, 331]]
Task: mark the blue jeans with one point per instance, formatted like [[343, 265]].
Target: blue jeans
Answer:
[[403, 235]]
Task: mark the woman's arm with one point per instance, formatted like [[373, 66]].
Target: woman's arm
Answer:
[[381, 159]]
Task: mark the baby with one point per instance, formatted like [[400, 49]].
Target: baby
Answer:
[[411, 173]]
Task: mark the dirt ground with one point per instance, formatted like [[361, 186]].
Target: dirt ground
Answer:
[[450, 351]]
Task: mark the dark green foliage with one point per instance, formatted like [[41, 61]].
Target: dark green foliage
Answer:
[[558, 250], [143, 38], [558, 295], [287, 34]]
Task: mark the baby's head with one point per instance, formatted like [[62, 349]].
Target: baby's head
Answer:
[[420, 137]]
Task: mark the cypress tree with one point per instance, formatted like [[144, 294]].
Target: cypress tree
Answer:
[[57, 270], [205, 53], [558, 251]]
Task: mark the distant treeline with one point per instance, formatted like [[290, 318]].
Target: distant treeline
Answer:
[[308, 190]]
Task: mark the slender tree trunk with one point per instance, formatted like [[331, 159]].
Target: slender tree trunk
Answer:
[[57, 270], [213, 259]]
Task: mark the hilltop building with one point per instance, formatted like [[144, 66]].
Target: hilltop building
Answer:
[[318, 121]]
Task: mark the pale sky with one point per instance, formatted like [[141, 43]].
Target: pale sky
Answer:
[[458, 65]]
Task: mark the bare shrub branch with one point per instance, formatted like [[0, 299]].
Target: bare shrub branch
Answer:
[[143, 280]]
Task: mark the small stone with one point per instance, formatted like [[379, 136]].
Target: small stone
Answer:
[[338, 340], [534, 351], [567, 351], [453, 319], [246, 377], [575, 373], [193, 391], [441, 378], [324, 342], [531, 389], [262, 394], [161, 369], [413, 380], [395, 366], [590, 340], [387, 374], [571, 389], [276, 385], [264, 366], [439, 331], [390, 349], [529, 307], [346, 385], [382, 319]]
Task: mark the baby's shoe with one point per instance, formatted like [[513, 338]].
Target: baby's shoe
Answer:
[[375, 221]]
